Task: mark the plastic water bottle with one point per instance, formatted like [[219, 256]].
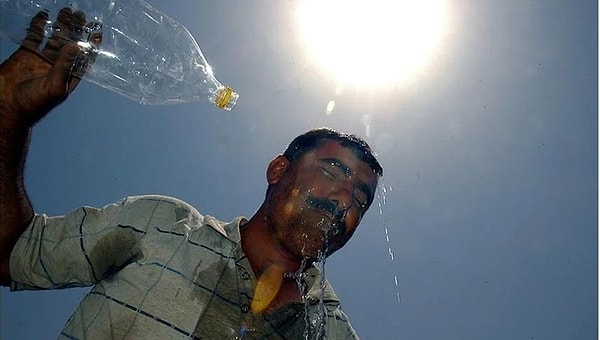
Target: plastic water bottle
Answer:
[[144, 55]]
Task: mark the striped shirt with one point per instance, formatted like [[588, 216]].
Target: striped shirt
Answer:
[[161, 270]]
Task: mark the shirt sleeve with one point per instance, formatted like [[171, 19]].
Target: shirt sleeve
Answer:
[[79, 248]]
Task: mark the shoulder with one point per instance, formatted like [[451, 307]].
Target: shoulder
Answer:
[[157, 199], [167, 210], [154, 210]]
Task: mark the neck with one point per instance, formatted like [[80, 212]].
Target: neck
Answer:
[[261, 248], [276, 272]]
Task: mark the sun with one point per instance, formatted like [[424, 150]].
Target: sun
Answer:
[[371, 42]]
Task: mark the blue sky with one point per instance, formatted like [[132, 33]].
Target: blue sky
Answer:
[[490, 157]]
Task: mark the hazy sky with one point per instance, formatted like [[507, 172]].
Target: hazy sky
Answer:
[[490, 157]]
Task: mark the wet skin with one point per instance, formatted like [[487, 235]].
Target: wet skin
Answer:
[[319, 200]]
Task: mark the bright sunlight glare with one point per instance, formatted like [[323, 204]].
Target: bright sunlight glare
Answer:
[[371, 42]]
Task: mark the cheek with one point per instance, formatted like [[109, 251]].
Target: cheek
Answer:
[[291, 200], [314, 184]]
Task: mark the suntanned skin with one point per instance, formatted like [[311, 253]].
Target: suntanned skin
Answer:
[[285, 229], [33, 81], [314, 205]]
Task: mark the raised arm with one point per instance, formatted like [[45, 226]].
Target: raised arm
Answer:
[[33, 80]]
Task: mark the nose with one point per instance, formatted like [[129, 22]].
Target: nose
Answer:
[[341, 196]]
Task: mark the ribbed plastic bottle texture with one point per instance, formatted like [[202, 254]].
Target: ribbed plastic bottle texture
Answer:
[[144, 55]]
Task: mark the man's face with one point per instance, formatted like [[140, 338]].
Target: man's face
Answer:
[[318, 202]]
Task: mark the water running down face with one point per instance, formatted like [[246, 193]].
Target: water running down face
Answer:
[[319, 200]]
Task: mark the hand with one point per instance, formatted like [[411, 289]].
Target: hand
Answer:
[[35, 78]]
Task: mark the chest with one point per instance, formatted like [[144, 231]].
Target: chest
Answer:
[[204, 289]]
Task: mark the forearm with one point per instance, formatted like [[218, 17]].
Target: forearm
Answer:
[[15, 208], [33, 80]]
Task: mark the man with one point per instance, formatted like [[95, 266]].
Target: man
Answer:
[[159, 269]]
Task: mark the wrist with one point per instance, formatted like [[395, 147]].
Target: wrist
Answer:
[[14, 143]]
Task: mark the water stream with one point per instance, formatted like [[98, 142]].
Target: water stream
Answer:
[[381, 203], [315, 319]]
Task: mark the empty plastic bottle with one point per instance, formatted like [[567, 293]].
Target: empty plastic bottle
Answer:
[[144, 55]]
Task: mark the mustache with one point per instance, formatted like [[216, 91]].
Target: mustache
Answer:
[[336, 236], [330, 207]]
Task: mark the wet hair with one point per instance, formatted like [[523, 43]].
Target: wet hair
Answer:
[[315, 138]]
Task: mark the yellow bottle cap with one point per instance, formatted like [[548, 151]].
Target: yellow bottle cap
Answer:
[[226, 98]]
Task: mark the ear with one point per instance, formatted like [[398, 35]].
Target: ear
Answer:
[[276, 169]]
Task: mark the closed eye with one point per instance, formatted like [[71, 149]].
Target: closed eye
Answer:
[[360, 198], [328, 173], [362, 204]]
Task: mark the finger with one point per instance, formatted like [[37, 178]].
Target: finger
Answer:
[[64, 21], [94, 31], [76, 26], [94, 28], [60, 81], [35, 31], [85, 60], [60, 33]]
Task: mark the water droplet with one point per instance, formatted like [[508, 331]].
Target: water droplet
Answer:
[[330, 107]]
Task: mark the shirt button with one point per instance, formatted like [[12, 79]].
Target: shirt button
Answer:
[[245, 308]]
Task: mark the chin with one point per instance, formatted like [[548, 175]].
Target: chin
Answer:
[[315, 252], [311, 255], [318, 254]]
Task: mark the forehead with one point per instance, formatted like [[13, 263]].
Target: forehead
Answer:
[[333, 149]]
